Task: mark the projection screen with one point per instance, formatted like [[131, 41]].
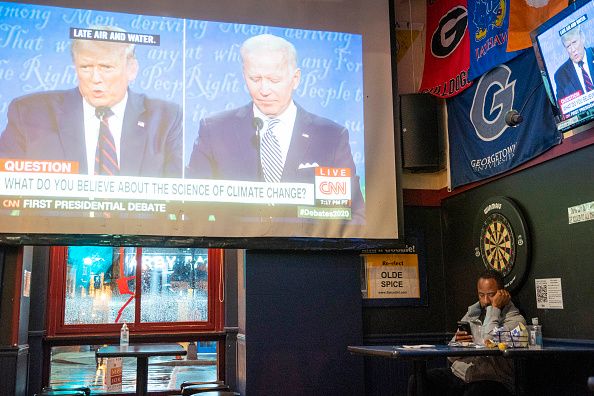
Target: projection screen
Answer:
[[152, 118]]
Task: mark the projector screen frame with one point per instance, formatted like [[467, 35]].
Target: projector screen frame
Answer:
[[278, 242]]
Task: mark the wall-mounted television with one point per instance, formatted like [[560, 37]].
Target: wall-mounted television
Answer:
[[564, 47], [227, 120]]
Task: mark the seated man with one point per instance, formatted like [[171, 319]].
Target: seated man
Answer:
[[479, 375]]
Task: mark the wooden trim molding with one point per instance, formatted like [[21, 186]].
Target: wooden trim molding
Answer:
[[57, 295], [16, 305], [419, 197]]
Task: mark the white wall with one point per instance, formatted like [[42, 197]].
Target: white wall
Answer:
[[410, 20]]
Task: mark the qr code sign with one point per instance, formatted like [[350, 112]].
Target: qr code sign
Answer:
[[549, 293], [541, 293]]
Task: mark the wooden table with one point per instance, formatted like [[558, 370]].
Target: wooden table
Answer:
[[141, 352]]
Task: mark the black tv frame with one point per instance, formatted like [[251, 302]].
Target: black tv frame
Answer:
[[585, 117]]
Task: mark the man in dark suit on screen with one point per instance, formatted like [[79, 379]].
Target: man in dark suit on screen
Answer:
[[102, 125], [272, 138], [575, 75]]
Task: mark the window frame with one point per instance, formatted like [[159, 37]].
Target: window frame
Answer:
[[57, 298]]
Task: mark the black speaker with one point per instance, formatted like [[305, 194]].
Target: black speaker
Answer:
[[421, 131]]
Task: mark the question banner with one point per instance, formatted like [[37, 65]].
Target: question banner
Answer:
[[153, 189]]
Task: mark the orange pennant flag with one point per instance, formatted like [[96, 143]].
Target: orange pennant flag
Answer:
[[527, 15]]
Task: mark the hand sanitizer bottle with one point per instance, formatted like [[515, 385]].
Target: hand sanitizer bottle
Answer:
[[535, 335], [124, 335]]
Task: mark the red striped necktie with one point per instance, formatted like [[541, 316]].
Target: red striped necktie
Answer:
[[106, 156]]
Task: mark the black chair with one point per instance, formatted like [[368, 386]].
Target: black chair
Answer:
[[220, 393], [68, 388], [188, 383], [203, 388], [61, 393]]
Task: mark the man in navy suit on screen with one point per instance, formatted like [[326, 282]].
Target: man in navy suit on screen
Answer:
[[233, 145], [575, 75], [101, 121]]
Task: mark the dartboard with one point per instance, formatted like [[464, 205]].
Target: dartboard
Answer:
[[498, 244], [501, 240]]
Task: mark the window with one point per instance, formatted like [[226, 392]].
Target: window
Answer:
[[163, 294], [96, 289], [77, 365]]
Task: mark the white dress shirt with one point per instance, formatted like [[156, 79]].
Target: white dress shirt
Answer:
[[116, 122], [580, 75], [283, 130]]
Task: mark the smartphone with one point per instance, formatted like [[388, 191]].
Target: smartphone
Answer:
[[464, 326]]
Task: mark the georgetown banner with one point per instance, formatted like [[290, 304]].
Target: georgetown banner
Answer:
[[482, 143]]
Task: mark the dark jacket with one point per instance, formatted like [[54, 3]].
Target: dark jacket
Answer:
[[50, 126]]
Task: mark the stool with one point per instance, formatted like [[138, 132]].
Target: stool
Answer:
[[202, 388], [69, 388]]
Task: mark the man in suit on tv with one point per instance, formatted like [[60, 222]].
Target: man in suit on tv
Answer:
[[102, 125], [272, 138], [576, 73]]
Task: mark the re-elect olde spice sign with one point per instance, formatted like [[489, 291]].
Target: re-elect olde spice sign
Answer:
[[392, 276]]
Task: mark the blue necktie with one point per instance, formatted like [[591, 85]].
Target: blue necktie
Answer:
[[270, 154], [106, 156]]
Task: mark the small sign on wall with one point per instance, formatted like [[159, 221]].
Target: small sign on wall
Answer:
[[393, 276], [581, 213], [549, 293]]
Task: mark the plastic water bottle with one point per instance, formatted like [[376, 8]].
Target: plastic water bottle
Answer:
[[535, 335], [124, 335]]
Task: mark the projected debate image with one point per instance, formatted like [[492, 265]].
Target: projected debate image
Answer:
[[136, 124], [564, 47]]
